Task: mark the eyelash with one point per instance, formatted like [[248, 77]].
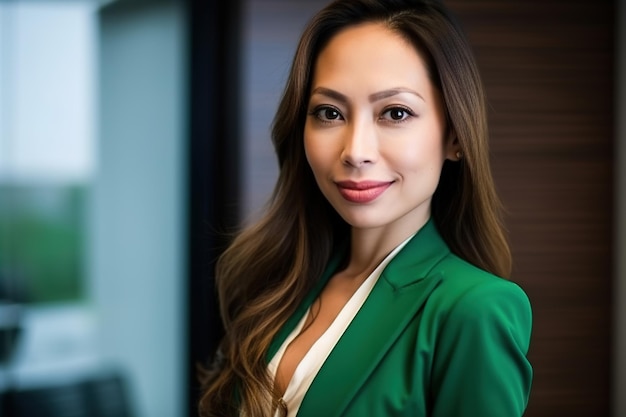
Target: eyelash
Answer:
[[316, 112]]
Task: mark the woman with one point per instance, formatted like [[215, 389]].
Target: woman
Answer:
[[373, 284]]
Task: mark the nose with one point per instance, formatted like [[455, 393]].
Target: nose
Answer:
[[360, 145]]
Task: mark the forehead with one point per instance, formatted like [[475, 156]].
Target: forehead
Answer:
[[370, 54]]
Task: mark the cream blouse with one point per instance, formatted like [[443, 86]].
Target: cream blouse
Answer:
[[311, 363]]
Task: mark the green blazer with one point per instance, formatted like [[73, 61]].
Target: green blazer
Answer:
[[437, 337]]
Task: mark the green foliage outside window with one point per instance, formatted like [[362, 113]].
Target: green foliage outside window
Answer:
[[42, 238]]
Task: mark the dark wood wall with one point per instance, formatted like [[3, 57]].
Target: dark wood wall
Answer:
[[548, 70]]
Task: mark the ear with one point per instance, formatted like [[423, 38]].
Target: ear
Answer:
[[453, 147]]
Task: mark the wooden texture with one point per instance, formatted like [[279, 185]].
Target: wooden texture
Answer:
[[548, 71]]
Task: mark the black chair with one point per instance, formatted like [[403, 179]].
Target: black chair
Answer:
[[104, 395]]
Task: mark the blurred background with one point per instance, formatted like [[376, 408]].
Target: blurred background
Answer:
[[135, 133]]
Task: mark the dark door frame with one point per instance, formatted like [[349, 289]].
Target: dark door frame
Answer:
[[213, 154]]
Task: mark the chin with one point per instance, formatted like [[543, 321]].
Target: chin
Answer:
[[364, 221]]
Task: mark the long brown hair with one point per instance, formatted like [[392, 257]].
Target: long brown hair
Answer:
[[271, 265]]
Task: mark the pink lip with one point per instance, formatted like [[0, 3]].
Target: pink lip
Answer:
[[363, 191]]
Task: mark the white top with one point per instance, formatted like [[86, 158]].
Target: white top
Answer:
[[310, 365]]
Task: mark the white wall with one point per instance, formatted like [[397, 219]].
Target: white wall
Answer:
[[138, 227], [619, 301]]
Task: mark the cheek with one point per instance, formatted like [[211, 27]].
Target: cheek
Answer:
[[417, 155], [308, 151], [318, 150], [314, 153]]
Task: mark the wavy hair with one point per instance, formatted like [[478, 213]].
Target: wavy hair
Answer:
[[271, 265]]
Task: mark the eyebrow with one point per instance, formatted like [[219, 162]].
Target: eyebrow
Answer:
[[372, 97]]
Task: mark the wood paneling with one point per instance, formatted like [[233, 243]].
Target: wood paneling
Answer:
[[548, 72]]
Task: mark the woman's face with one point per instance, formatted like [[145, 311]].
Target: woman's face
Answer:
[[374, 133]]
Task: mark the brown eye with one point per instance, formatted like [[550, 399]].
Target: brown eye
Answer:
[[397, 114], [330, 113], [327, 114]]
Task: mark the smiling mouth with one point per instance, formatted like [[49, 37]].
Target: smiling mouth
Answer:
[[362, 192]]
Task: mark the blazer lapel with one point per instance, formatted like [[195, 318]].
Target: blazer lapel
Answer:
[[401, 290]]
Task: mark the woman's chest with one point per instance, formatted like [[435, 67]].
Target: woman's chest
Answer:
[[397, 386]]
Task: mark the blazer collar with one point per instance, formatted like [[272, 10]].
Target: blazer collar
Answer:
[[417, 258], [396, 297]]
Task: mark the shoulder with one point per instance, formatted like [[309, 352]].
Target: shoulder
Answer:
[[479, 325], [469, 299], [463, 282]]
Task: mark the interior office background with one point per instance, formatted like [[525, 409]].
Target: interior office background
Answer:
[[132, 133]]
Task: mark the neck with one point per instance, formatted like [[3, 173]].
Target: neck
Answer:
[[370, 246]]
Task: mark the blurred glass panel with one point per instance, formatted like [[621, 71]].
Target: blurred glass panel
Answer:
[[47, 91], [50, 360], [46, 147]]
